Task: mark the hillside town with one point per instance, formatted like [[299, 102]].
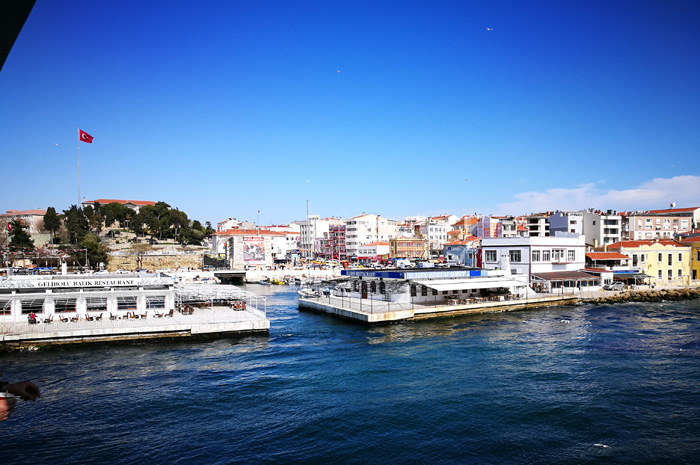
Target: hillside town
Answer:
[[544, 250]]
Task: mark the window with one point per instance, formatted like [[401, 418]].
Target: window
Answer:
[[63, 305], [126, 303], [515, 256], [680, 273], [670, 275], [5, 306], [661, 257], [545, 255], [680, 257], [642, 257], [660, 275], [572, 255], [97, 304], [155, 302], [670, 259], [423, 291], [490, 255], [536, 255]]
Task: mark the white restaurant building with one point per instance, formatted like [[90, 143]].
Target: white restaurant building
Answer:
[[531, 259]]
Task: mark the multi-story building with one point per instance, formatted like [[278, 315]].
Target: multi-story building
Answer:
[[333, 243], [312, 232], [462, 252], [509, 227], [526, 257], [659, 224], [32, 219], [365, 229], [373, 252], [410, 248], [434, 230], [665, 261], [537, 225], [566, 221], [602, 228], [694, 244]]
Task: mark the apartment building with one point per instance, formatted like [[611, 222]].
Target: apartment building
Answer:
[[658, 224], [365, 229]]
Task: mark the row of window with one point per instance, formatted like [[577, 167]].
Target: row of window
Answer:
[[93, 304], [555, 255]]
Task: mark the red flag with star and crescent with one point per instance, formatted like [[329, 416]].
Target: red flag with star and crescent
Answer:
[[85, 137]]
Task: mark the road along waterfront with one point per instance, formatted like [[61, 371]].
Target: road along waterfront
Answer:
[[574, 384]]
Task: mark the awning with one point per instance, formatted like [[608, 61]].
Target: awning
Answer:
[[470, 283], [566, 276]]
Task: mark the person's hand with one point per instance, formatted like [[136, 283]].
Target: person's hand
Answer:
[[7, 405], [24, 389]]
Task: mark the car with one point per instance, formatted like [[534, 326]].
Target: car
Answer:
[[617, 286]]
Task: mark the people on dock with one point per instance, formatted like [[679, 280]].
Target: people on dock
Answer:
[[26, 390]]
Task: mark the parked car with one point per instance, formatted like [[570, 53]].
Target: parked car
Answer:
[[617, 286]]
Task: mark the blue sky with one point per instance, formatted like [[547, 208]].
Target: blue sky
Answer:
[[399, 108]]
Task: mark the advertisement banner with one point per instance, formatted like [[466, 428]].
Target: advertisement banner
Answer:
[[254, 250]]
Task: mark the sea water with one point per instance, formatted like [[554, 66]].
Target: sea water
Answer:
[[574, 384]]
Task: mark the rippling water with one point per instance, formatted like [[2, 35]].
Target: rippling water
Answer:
[[581, 384]]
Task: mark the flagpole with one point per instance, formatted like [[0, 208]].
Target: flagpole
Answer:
[[78, 206]]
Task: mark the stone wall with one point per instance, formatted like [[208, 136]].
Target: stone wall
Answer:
[[154, 262]]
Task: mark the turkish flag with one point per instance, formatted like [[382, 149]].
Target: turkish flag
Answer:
[[85, 137]]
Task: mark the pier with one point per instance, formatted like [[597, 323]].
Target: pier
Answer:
[[374, 311]]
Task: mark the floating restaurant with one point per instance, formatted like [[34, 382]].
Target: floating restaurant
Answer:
[[53, 309], [374, 296]]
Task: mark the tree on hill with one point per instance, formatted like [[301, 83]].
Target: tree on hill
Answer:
[[52, 221], [19, 237], [96, 254], [116, 212], [76, 224]]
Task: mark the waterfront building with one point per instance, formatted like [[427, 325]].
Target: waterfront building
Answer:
[[76, 308], [665, 261], [365, 229], [431, 286], [694, 244], [135, 205], [659, 224], [614, 266], [556, 260], [408, 248]]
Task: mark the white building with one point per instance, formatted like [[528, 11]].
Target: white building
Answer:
[[602, 228], [537, 225], [527, 256], [566, 221], [365, 229], [312, 231]]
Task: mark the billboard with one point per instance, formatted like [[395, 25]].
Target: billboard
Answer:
[[254, 250]]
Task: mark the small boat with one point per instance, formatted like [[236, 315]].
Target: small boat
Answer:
[[308, 292], [265, 282]]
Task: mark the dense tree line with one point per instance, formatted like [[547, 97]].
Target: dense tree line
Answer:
[[82, 226]]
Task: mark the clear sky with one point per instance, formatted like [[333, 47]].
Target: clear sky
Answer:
[[223, 108]]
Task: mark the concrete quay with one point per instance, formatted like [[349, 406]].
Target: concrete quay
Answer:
[[372, 311], [202, 323]]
